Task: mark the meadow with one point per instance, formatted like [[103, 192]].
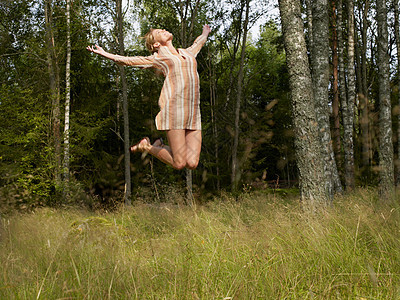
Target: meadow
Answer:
[[258, 246]]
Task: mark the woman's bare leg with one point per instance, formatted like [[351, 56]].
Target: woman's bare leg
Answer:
[[193, 148], [175, 154], [183, 150], [159, 144]]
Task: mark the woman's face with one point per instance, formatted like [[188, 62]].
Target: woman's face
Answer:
[[162, 36]]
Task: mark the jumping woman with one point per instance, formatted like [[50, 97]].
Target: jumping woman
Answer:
[[179, 101]]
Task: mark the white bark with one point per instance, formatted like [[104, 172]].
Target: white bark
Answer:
[[347, 120], [320, 72], [308, 155], [385, 117], [364, 99], [397, 35], [351, 91], [67, 97]]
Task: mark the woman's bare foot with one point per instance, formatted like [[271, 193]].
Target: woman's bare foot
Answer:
[[142, 146]]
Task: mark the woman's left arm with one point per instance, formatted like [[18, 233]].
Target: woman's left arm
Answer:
[[200, 41]]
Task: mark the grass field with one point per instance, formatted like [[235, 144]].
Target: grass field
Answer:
[[256, 247]]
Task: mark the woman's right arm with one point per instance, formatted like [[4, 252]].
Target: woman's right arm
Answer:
[[136, 61]]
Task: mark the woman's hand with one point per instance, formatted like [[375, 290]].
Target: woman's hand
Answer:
[[97, 50], [206, 30]]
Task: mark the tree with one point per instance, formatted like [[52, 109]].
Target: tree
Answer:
[[27, 139], [120, 38], [309, 8], [347, 117], [335, 87], [67, 97], [311, 170], [363, 87], [349, 100], [397, 36], [235, 163], [386, 166], [230, 43], [54, 76], [211, 62], [320, 77]]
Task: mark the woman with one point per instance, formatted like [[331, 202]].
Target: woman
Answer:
[[179, 101]]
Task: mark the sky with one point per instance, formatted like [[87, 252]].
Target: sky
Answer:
[[273, 12]]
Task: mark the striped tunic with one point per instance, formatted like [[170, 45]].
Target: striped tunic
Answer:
[[180, 95]]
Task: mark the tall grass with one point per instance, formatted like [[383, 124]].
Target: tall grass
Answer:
[[259, 247]]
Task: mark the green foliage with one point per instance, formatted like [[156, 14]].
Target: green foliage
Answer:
[[266, 152], [266, 143], [96, 146], [24, 143], [256, 247], [269, 107]]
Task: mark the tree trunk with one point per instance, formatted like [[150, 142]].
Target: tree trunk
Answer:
[[347, 123], [320, 77], [54, 77], [236, 44], [397, 36], [125, 106], [236, 174], [309, 25], [385, 118], [213, 101], [335, 87], [308, 154], [67, 100], [364, 91], [348, 103], [189, 187], [183, 8]]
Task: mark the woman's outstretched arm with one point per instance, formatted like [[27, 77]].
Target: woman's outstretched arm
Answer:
[[100, 51], [136, 61], [200, 41]]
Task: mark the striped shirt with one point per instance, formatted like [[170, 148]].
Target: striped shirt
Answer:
[[180, 95]]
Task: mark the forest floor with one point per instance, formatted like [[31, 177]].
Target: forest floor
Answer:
[[255, 247]]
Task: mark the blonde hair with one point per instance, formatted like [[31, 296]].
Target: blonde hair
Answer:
[[150, 40]]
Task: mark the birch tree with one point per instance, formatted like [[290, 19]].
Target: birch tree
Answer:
[[385, 117], [67, 97], [347, 118], [320, 77], [335, 87], [309, 6], [363, 89], [349, 101], [397, 36], [309, 162]]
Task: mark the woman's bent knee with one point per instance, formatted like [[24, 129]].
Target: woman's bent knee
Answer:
[[179, 165], [192, 164]]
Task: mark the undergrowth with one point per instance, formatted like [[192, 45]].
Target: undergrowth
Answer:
[[252, 247]]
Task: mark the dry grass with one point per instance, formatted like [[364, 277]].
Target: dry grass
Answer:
[[258, 247]]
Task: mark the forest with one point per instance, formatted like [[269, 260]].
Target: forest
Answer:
[[295, 95], [295, 193]]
